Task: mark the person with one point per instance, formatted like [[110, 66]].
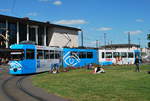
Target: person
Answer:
[[54, 68], [89, 66], [137, 62], [99, 70]]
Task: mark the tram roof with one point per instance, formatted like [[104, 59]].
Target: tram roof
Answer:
[[120, 46]]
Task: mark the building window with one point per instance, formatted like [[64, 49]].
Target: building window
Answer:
[[41, 36], [22, 32], [12, 31], [3, 32], [32, 34]]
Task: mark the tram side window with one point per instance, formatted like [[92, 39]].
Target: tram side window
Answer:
[[89, 54], [82, 54], [108, 54], [52, 54], [29, 54], [130, 54], [57, 54], [40, 54], [123, 54], [116, 54], [74, 54], [103, 54], [46, 54]]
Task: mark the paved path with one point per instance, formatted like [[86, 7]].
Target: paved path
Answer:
[[20, 88]]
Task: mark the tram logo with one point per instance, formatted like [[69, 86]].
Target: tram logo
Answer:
[[71, 59], [15, 64]]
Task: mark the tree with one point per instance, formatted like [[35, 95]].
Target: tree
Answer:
[[148, 36], [148, 44]]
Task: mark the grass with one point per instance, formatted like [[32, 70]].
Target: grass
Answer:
[[119, 83]]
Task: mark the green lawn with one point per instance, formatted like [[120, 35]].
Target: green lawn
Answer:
[[119, 83]]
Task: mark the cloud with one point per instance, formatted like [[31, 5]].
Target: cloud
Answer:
[[57, 3], [5, 10], [32, 14], [104, 29], [139, 20], [71, 22], [133, 32], [43, 0]]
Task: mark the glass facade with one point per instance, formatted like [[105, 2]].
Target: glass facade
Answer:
[[32, 34], [2, 31], [22, 32], [41, 35], [12, 32]]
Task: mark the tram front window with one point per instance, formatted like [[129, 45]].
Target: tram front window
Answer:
[[17, 55]]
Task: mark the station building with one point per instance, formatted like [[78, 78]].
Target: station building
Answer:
[[14, 30], [121, 46]]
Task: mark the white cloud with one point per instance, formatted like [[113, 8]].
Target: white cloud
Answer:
[[32, 14], [5, 10], [104, 29], [71, 22], [57, 3], [139, 20], [134, 32], [44, 0]]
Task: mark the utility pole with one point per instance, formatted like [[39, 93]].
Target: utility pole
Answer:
[[129, 40], [105, 40], [81, 38], [139, 42], [97, 44]]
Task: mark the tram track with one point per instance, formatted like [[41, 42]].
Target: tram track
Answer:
[[13, 89], [4, 89], [19, 85]]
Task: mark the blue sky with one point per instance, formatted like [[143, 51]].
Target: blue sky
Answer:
[[114, 17]]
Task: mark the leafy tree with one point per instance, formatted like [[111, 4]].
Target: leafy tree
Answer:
[[148, 44], [148, 36]]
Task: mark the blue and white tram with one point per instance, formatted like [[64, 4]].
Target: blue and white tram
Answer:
[[27, 58], [77, 57], [118, 56]]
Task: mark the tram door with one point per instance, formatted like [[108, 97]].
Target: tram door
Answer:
[[29, 62]]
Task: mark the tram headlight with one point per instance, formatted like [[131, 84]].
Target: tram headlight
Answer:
[[19, 68]]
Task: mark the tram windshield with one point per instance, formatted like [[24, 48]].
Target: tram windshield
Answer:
[[17, 54]]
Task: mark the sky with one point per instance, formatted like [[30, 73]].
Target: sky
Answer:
[[116, 18]]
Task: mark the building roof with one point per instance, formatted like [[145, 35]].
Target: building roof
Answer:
[[120, 46], [27, 20]]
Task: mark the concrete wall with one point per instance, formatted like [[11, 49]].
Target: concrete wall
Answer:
[[63, 37]]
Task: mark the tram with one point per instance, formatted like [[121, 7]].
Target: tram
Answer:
[[79, 57], [27, 58], [118, 56]]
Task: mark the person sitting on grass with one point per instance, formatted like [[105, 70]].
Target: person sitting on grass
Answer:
[[54, 68], [99, 70]]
